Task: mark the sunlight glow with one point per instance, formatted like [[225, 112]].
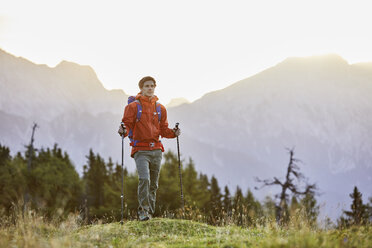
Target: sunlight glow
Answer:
[[190, 47]]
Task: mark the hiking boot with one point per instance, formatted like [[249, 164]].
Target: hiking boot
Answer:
[[143, 216]]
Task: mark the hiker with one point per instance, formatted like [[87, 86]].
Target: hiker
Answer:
[[144, 121]]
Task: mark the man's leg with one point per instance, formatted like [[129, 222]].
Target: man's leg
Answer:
[[142, 159], [155, 165]]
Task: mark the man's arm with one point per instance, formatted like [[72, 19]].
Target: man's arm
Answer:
[[165, 131], [129, 117]]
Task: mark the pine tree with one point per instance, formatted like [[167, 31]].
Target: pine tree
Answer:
[[311, 210], [238, 204], [169, 192], [55, 185], [215, 204], [294, 206], [4, 155], [253, 208], [269, 208], [12, 180], [95, 177], [112, 192], [190, 183], [226, 202], [130, 192], [204, 185], [358, 214], [369, 207]]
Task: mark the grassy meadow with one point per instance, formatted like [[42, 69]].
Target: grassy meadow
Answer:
[[32, 230], [210, 218]]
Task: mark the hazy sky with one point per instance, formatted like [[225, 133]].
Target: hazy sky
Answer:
[[190, 47]]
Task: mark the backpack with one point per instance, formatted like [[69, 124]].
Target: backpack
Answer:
[[139, 114]]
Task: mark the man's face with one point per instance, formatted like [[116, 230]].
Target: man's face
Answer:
[[148, 88]]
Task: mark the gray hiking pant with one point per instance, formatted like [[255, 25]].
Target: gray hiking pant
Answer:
[[148, 167]]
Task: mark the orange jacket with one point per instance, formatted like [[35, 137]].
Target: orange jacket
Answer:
[[148, 129]]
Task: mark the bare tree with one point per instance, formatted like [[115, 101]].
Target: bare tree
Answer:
[[27, 195], [293, 172]]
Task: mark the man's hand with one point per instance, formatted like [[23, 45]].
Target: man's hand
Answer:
[[177, 131], [122, 131]]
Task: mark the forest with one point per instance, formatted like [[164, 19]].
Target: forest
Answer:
[[51, 186]]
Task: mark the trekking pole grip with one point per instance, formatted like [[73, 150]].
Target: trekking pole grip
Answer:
[[177, 124], [123, 126]]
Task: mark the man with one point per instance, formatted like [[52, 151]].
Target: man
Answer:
[[146, 147]]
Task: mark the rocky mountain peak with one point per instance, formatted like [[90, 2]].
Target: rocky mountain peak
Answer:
[[74, 68]]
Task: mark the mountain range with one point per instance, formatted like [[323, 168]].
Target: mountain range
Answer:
[[319, 106]]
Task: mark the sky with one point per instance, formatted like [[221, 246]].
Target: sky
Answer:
[[190, 47]]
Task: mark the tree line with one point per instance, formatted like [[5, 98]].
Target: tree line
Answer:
[[55, 189]]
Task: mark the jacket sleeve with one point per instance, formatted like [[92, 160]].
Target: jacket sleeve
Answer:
[[164, 130], [129, 117]]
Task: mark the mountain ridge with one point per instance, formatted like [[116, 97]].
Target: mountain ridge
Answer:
[[68, 86]]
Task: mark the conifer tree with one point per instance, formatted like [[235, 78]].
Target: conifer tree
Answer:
[[112, 191], [190, 183], [130, 192], [52, 182], [95, 177], [4, 155], [226, 202], [215, 204], [269, 208], [204, 185], [253, 208], [358, 214], [309, 205], [369, 208], [294, 205], [238, 204], [168, 194], [12, 180]]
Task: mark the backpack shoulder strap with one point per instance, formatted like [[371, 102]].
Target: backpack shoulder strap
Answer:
[[139, 109], [158, 110]]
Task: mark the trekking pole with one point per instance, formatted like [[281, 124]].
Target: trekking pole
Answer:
[[179, 167], [122, 175]]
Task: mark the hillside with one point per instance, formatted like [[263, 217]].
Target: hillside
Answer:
[[160, 232]]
